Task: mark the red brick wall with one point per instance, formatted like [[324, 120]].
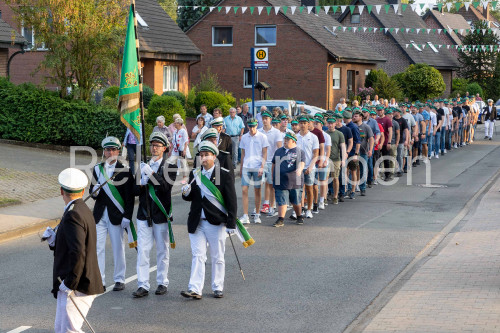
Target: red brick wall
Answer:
[[445, 39], [447, 77], [384, 44], [297, 67], [23, 66], [153, 74]]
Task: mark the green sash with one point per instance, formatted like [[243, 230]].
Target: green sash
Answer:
[[241, 231], [168, 215], [117, 199]]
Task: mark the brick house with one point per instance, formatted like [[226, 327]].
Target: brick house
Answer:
[[166, 52], [392, 45], [9, 39], [307, 60], [479, 14]]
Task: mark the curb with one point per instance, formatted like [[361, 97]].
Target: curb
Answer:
[[46, 146], [27, 230]]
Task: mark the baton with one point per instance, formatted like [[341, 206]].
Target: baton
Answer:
[[237, 259], [76, 306]]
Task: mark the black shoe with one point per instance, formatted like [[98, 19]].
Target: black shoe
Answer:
[[218, 294], [370, 185], [300, 220], [161, 290], [104, 287], [190, 294], [485, 137], [293, 217], [418, 162], [399, 174], [348, 194], [490, 139], [341, 199], [363, 193], [141, 292], [279, 223], [119, 286], [414, 164], [315, 209]]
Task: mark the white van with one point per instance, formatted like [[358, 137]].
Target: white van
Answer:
[[272, 103]]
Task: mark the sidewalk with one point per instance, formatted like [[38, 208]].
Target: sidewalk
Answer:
[[458, 288]]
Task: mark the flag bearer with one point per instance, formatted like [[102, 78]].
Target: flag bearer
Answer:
[[114, 205], [212, 214], [157, 180]]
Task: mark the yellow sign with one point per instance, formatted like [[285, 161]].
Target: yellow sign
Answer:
[[261, 54]]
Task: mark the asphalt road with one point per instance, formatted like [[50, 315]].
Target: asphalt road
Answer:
[[315, 278]]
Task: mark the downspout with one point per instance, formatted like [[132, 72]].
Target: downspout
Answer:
[[329, 79], [22, 51]]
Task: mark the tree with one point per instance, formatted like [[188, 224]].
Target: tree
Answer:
[[186, 17], [493, 90], [170, 7], [387, 88], [82, 39], [478, 64], [421, 81]]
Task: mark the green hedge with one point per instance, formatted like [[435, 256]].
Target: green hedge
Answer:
[[34, 115], [165, 106], [211, 99], [177, 94]]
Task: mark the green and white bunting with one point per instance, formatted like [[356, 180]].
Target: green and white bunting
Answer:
[[387, 8]]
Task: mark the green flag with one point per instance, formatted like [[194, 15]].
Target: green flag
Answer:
[[130, 91]]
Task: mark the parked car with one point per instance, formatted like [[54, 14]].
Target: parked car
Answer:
[[310, 109], [272, 103]]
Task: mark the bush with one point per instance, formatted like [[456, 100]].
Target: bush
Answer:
[[165, 106], [225, 109], [111, 92], [177, 94], [373, 77], [147, 95], [459, 85], [421, 82], [30, 114], [211, 99], [230, 98], [474, 88], [109, 103], [363, 92], [387, 88], [242, 101], [209, 82]]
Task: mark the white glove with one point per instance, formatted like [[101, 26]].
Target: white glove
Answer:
[[50, 236], [230, 231], [144, 180], [146, 169], [186, 189], [125, 223], [63, 288], [96, 193]]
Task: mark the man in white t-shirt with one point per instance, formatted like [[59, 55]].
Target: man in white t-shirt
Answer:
[[180, 149], [254, 147], [309, 145], [275, 140]]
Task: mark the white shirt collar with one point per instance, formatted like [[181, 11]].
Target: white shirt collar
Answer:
[[208, 172], [69, 204]]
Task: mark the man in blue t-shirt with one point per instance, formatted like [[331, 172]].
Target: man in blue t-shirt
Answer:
[[288, 179]]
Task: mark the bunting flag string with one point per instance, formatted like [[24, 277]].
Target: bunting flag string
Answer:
[[388, 8], [463, 48], [416, 31]]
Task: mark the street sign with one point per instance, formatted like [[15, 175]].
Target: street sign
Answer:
[[261, 58]]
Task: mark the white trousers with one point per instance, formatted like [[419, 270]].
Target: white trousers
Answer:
[[158, 233], [215, 235], [116, 232], [488, 128], [68, 319]]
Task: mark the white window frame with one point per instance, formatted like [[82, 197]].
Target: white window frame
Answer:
[[256, 79], [359, 18], [166, 83], [265, 26], [334, 69], [367, 72], [33, 45], [222, 45]]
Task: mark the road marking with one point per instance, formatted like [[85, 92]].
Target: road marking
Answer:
[[373, 219], [127, 280], [20, 329]]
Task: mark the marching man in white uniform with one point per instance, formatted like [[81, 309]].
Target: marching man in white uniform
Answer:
[[114, 205], [156, 185], [212, 214]]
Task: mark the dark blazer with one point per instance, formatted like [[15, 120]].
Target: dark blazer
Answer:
[[225, 184], [75, 255], [164, 181], [490, 115], [126, 189], [225, 151]]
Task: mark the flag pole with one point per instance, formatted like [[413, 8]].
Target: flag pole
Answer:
[[141, 103]]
